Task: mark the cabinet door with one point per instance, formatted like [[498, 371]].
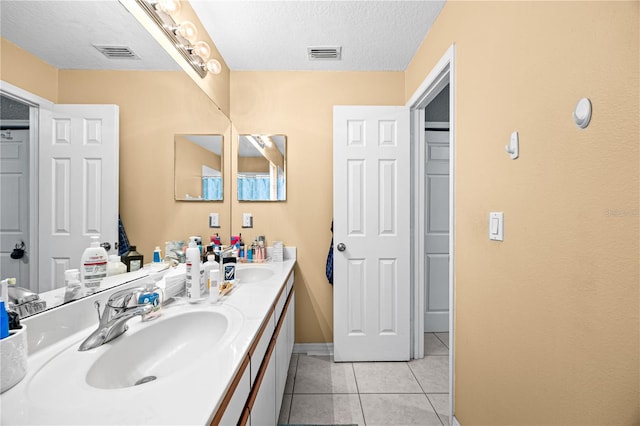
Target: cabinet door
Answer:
[[238, 397], [263, 411]]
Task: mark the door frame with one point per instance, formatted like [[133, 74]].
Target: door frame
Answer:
[[35, 102], [443, 73]]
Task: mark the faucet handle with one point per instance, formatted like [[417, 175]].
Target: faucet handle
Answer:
[[97, 306]]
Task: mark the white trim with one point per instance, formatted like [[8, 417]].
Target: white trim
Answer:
[[455, 421], [441, 75], [35, 102], [317, 349]]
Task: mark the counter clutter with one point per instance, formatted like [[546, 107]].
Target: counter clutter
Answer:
[[202, 363]]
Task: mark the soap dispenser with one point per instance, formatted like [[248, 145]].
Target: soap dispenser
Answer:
[[151, 295]]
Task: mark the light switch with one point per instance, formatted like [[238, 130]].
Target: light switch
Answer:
[[214, 220], [247, 220], [496, 226]]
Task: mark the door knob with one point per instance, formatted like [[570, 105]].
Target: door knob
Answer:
[[341, 247], [18, 251]]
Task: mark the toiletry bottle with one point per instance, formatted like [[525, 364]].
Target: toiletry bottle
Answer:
[[4, 321], [4, 317], [229, 264], [132, 259], [72, 285], [157, 255], [93, 264], [210, 265], [151, 295], [115, 266], [214, 293], [193, 273]]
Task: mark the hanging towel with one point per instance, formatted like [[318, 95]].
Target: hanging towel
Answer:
[[329, 267], [123, 241]]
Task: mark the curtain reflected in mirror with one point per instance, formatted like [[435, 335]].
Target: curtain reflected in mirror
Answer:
[[262, 169], [198, 167]]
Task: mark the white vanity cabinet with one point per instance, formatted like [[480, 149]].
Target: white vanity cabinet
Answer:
[[262, 378]]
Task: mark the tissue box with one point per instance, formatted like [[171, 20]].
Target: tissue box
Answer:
[[13, 358]]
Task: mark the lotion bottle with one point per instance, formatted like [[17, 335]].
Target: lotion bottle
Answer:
[[94, 264], [193, 272]]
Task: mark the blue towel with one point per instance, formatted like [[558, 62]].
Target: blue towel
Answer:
[[329, 267], [123, 241]]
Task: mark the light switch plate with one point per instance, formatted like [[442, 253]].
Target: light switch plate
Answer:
[[247, 220], [214, 220], [496, 226]]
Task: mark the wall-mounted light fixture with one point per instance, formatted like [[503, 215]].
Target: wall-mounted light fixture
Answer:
[[183, 35]]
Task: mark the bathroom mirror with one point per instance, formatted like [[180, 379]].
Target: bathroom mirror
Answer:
[[198, 167], [156, 100], [262, 168]]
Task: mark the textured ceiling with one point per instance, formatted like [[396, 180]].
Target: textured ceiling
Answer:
[[62, 34], [274, 35], [251, 35]]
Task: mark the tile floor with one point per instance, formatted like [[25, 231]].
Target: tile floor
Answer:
[[319, 391]]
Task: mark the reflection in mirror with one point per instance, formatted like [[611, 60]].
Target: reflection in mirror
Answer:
[[262, 168], [157, 99], [198, 167]]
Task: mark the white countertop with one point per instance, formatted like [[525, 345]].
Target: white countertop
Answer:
[[55, 391]]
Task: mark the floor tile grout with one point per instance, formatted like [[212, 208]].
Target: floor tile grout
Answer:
[[359, 393]]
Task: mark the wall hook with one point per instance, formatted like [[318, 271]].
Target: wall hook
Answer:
[[513, 149]]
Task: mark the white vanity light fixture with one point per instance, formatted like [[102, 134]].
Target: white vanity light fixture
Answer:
[[513, 149], [582, 113], [183, 36]]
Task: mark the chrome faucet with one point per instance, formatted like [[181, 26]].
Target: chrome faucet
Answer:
[[113, 321]]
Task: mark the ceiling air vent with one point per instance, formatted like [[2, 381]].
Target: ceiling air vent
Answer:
[[324, 53], [117, 52]]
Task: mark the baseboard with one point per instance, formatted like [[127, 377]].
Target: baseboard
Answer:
[[456, 422], [318, 349]]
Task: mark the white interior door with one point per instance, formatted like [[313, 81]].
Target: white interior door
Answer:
[[436, 315], [371, 210], [14, 205], [78, 185]]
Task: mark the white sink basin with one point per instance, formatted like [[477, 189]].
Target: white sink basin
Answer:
[[250, 274], [157, 351]]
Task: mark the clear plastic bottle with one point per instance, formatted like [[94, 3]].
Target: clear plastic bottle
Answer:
[[194, 272], [115, 266]]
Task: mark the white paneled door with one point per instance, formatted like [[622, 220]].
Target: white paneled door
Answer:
[[371, 210], [78, 184], [14, 205], [436, 315]]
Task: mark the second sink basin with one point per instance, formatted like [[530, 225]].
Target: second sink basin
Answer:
[[158, 350], [250, 274]]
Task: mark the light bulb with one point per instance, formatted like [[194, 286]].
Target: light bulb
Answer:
[[213, 66], [188, 31], [202, 49], [170, 7]]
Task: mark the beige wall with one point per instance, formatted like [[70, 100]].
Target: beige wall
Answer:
[[253, 164], [547, 322], [189, 159], [154, 106], [26, 71], [300, 105]]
